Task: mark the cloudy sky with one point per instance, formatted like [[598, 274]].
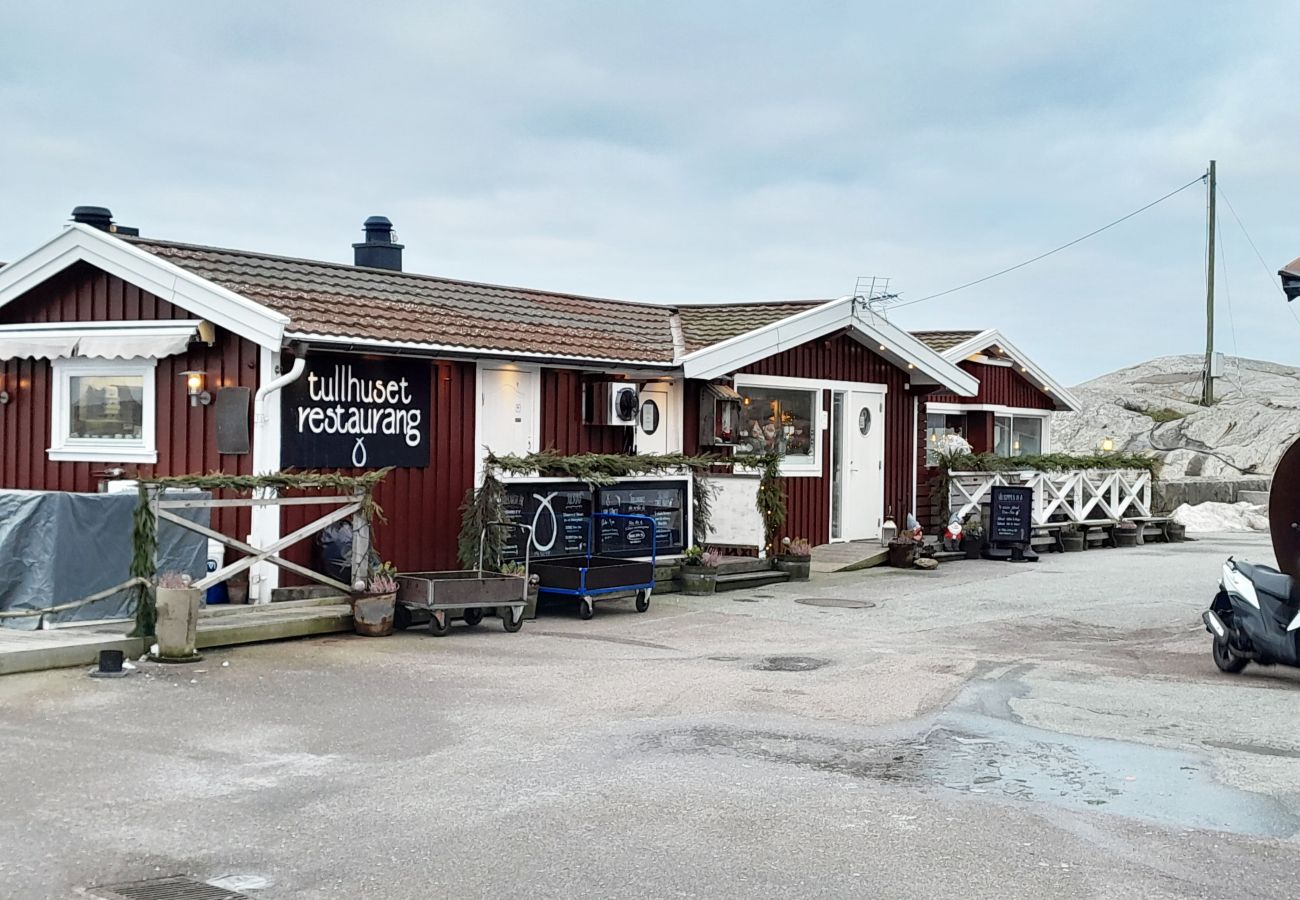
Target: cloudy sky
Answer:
[[684, 151]]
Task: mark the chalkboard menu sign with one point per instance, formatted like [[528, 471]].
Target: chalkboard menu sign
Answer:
[[354, 412], [663, 501], [558, 512], [1011, 515]]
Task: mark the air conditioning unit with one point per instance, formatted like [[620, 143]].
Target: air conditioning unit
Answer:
[[611, 403]]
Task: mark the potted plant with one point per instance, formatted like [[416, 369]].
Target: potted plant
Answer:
[[374, 603], [699, 575], [178, 618], [237, 587], [902, 552], [972, 536], [1073, 539], [1125, 534], [796, 561]]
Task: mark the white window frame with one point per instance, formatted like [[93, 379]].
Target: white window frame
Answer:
[[64, 448], [797, 467]]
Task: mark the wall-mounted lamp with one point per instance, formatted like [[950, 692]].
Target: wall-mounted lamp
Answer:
[[194, 387], [1107, 445]]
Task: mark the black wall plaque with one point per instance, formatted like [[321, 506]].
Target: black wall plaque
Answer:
[[663, 501], [1011, 515], [356, 412], [232, 420]]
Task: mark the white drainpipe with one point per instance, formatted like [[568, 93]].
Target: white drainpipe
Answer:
[[266, 459]]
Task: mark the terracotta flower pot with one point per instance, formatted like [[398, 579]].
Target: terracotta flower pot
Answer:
[[698, 581], [372, 614], [178, 622], [799, 568]]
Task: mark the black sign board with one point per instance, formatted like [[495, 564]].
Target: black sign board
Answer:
[[559, 513], [355, 412], [1011, 515], [663, 501]]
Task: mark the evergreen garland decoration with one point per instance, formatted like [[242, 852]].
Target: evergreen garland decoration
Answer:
[[144, 537], [484, 505]]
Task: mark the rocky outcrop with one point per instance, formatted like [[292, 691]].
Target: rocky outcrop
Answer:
[[1152, 407]]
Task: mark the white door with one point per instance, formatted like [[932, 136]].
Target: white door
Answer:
[[862, 430], [507, 412], [654, 420]]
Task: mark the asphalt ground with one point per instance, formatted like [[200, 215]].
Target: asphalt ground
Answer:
[[1055, 729]]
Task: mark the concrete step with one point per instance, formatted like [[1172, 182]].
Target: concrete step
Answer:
[[735, 565], [1258, 498], [271, 623], [35, 651], [745, 580], [234, 609]]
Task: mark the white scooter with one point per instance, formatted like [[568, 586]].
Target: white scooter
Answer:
[[1255, 617]]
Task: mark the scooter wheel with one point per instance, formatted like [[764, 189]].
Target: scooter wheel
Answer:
[[1226, 660]]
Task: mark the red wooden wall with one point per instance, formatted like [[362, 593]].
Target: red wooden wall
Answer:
[[562, 427], [1000, 385], [421, 505], [186, 436]]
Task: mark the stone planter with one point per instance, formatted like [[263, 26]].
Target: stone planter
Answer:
[[1073, 541], [799, 568], [973, 546], [698, 581], [1125, 537], [372, 614], [178, 623], [902, 554]]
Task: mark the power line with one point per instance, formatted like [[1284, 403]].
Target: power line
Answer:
[[961, 287], [1268, 275]]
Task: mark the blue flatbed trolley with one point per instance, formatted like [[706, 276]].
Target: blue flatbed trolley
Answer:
[[589, 577]]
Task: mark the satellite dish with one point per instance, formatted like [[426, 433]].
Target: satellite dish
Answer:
[[1284, 511]]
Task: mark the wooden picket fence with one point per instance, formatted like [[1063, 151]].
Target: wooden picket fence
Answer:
[[1090, 495]]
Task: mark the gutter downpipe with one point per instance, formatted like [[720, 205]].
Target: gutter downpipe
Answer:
[[266, 448]]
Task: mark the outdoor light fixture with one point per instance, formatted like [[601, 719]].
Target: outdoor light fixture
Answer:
[[1107, 445], [194, 387]]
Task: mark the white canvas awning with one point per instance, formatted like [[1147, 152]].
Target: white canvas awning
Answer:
[[152, 339]]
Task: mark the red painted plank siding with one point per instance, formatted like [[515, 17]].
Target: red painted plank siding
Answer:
[[841, 358], [562, 427], [1000, 385], [421, 505], [186, 436]]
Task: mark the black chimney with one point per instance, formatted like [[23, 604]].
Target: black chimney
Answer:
[[378, 251], [102, 218], [95, 216]]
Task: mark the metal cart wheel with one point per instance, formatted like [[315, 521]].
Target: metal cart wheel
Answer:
[[439, 628], [642, 600], [512, 619], [586, 608], [402, 618], [473, 616]]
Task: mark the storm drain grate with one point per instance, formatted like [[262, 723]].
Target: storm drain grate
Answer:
[[172, 887], [835, 602]]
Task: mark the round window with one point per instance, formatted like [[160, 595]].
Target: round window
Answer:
[[864, 421], [649, 417]]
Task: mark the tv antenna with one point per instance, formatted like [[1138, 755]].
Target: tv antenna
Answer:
[[872, 291]]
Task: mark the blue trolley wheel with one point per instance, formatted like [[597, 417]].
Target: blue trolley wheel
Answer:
[[642, 600], [586, 608]]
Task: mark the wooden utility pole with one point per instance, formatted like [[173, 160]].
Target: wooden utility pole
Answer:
[[1207, 388]]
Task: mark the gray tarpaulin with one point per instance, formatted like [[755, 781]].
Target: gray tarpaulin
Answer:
[[59, 547]]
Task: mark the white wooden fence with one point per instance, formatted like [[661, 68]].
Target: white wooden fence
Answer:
[[1088, 495]]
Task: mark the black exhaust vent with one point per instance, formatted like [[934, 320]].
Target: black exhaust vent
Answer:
[[378, 251], [101, 217]]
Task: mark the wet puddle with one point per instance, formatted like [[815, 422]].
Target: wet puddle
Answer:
[[977, 747]]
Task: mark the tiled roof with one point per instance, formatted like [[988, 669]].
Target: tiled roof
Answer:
[[708, 324], [342, 301], [942, 341]]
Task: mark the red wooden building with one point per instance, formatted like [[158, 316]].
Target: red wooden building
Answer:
[[1010, 414], [124, 356]]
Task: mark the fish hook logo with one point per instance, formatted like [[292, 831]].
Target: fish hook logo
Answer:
[[359, 453], [545, 507]]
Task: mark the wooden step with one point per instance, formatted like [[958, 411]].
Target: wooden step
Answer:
[[735, 565], [744, 580], [234, 609], [271, 623]]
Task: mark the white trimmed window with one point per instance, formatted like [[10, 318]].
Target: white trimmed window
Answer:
[[1020, 435], [781, 416], [103, 410]]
